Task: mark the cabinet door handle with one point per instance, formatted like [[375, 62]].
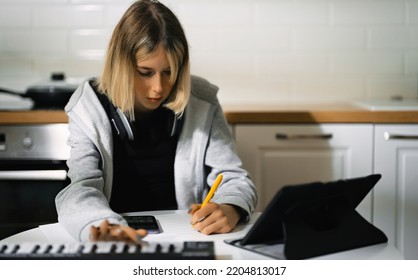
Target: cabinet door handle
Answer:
[[392, 136], [284, 136], [56, 175]]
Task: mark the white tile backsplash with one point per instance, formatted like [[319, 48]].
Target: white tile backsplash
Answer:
[[26, 41], [411, 63], [293, 64], [71, 16], [112, 13], [390, 87], [256, 39], [15, 16], [32, 2], [327, 88], [396, 38], [292, 12], [88, 40], [255, 50], [412, 12], [215, 13], [368, 63], [329, 38], [384, 12]]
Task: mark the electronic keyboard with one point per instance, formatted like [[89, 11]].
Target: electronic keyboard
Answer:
[[196, 250]]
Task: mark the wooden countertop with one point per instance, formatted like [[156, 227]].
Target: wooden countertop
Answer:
[[332, 112], [252, 114], [33, 117]]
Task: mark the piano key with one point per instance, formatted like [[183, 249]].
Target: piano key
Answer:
[[104, 247], [26, 248], [108, 250], [55, 248]]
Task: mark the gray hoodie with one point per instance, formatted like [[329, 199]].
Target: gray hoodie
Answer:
[[205, 148]]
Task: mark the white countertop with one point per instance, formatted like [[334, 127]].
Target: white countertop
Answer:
[[14, 102], [176, 228]]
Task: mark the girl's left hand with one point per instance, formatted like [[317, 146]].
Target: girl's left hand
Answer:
[[111, 232], [213, 218]]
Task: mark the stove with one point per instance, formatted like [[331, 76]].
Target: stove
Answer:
[[32, 171]]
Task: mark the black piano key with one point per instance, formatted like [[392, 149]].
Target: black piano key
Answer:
[[158, 248], [48, 249], [61, 249], [35, 249], [3, 248], [171, 248], [15, 249], [113, 249]]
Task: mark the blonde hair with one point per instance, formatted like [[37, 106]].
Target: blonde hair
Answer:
[[144, 27]]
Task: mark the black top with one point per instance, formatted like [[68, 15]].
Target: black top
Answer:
[[143, 177]]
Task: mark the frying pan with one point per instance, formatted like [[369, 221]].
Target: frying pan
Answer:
[[52, 94]]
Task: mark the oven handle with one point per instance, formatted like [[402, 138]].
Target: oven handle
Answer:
[[50, 175]]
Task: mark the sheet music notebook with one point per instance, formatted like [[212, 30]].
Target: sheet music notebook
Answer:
[[308, 220]]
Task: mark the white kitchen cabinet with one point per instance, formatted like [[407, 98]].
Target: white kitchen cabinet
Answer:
[[396, 195], [279, 155]]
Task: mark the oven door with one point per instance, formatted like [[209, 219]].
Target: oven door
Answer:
[[27, 193]]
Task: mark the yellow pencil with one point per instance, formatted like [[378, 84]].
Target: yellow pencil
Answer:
[[212, 190]]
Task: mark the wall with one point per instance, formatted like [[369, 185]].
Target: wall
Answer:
[[256, 50]]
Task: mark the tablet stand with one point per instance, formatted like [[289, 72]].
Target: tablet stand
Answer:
[[325, 226]]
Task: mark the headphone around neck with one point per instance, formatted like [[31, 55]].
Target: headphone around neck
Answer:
[[120, 122]]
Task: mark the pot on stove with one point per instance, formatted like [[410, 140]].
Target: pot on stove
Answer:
[[53, 93]]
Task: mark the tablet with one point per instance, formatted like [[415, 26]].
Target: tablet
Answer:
[[315, 212]]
